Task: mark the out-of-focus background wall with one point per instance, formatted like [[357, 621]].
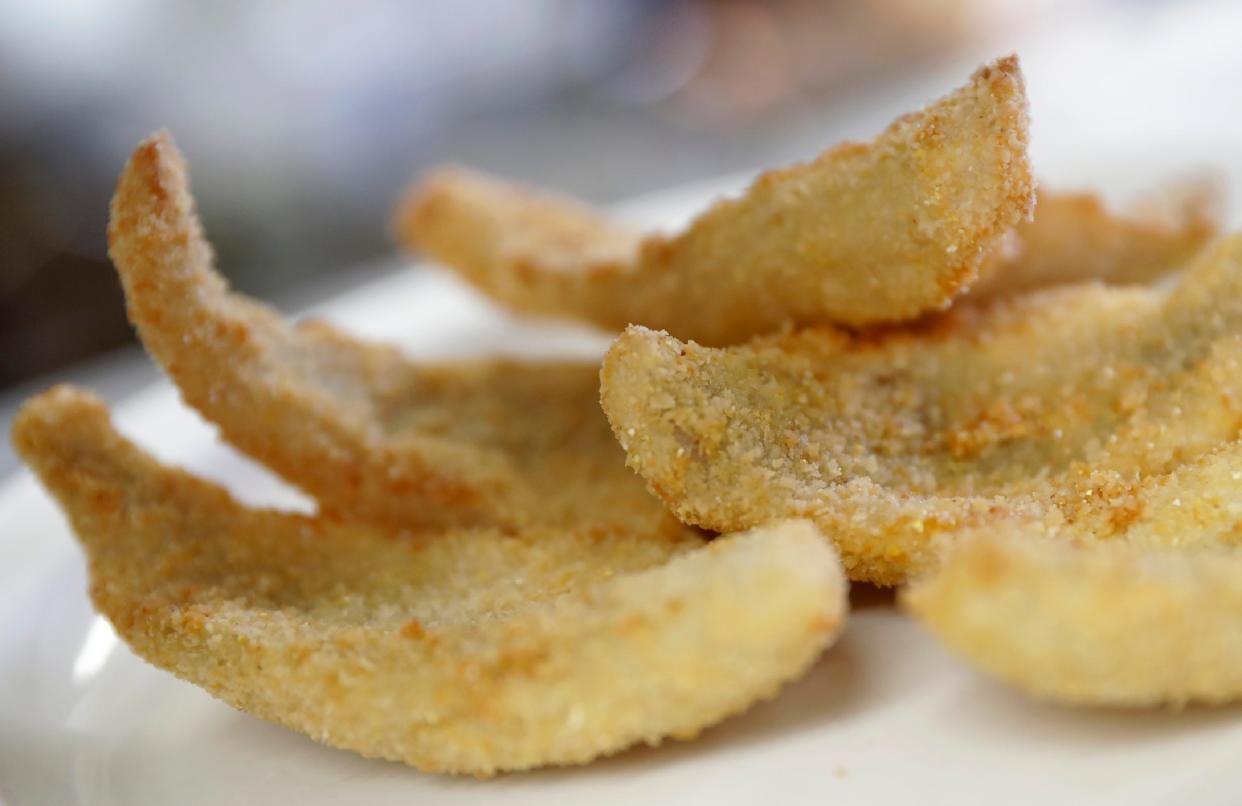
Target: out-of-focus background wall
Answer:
[[303, 121]]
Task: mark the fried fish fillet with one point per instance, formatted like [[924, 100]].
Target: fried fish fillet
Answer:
[[1070, 407], [1074, 237], [358, 426], [864, 233], [1092, 623], [477, 651]]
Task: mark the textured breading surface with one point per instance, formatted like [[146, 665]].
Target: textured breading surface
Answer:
[[1073, 407], [357, 425], [1097, 624], [864, 233], [1073, 237], [476, 651]]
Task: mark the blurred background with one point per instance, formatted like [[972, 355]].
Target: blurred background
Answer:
[[303, 121]]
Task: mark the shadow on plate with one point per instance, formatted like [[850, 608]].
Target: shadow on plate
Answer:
[[988, 709]]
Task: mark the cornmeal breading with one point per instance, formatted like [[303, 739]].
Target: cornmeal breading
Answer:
[[1070, 407], [358, 426], [1073, 237], [474, 651], [865, 233], [1091, 623]]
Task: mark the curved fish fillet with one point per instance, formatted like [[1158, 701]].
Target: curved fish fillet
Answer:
[[1091, 624], [1072, 407], [358, 426], [476, 651], [863, 234]]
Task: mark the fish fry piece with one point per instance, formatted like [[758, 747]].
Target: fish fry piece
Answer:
[[1071, 406], [358, 426], [482, 652], [1092, 623], [1073, 237], [864, 233]]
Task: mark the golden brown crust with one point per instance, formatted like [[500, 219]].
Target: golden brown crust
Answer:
[[1091, 624], [1074, 237], [475, 651], [862, 234], [356, 425], [1077, 408]]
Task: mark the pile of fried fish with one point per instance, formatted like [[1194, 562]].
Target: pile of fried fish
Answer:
[[897, 363]]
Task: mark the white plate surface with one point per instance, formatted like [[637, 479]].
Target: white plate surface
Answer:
[[886, 717]]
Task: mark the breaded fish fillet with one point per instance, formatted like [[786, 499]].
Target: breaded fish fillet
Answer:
[[476, 650], [863, 234]]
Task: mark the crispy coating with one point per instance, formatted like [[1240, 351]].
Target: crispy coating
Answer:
[[476, 651], [1074, 237], [1073, 407], [864, 233], [358, 426], [1089, 623]]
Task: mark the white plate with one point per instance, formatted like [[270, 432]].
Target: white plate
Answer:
[[886, 717]]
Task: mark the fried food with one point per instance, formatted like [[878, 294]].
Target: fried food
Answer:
[[358, 426], [1070, 407], [865, 233], [1073, 237], [1092, 623], [475, 651]]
